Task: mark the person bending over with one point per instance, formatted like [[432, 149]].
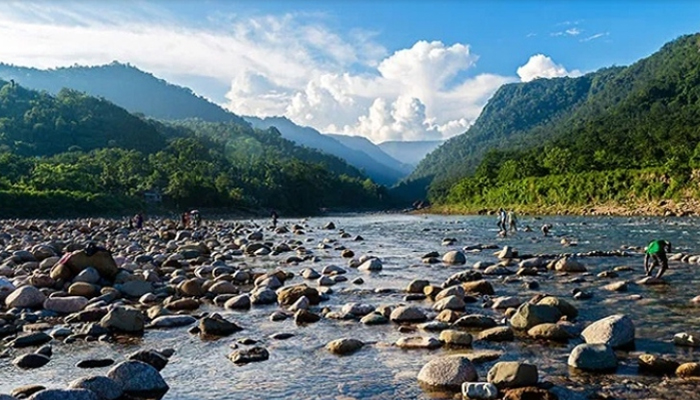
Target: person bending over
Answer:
[[656, 254]]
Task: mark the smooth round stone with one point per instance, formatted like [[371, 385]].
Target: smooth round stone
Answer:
[[448, 372]]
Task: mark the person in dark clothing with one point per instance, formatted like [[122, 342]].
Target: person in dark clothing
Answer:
[[138, 220], [274, 216], [656, 253]]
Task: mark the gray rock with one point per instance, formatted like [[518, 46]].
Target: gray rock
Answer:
[[64, 394], [593, 357], [245, 356], [138, 378], [135, 289], [454, 303], [475, 321], [614, 331], [105, 388], [65, 305], [455, 338], [418, 342], [688, 339], [240, 302], [448, 372], [31, 361], [151, 357], [511, 374], [172, 321], [344, 346], [407, 314], [88, 275], [454, 257], [371, 265], [374, 318], [529, 315], [25, 297], [479, 390], [124, 320]]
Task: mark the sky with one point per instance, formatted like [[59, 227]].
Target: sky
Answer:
[[383, 69]]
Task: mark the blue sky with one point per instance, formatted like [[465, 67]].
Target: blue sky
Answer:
[[387, 70]]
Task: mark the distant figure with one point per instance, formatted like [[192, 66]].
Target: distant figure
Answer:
[[274, 216], [502, 221], [527, 228], [195, 218], [545, 229], [185, 219], [12, 83], [656, 253], [138, 220], [512, 221]]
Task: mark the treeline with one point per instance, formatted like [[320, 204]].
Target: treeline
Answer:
[[104, 159]]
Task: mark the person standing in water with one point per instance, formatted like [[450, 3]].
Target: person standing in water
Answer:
[[502, 221], [274, 217], [656, 253], [512, 221]]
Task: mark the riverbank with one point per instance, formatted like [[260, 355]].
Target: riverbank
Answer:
[[660, 208]]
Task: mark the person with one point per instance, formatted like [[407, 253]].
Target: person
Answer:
[[196, 218], [185, 219], [274, 216], [512, 221], [501, 221], [138, 220], [545, 229], [656, 253]]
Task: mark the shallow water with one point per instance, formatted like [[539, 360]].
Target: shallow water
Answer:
[[301, 368]]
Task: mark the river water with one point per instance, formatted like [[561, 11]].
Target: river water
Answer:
[[300, 367]]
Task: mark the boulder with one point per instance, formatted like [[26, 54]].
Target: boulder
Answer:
[[512, 374], [101, 260], [245, 356], [529, 393], [475, 321], [151, 357], [529, 315], [454, 337], [418, 342], [657, 365], [238, 303], [371, 265], [288, 296], [105, 388], [687, 339], [564, 306], [84, 289], [30, 339], [480, 287], [405, 314], [448, 372], [138, 378], [135, 288], [497, 334], [344, 346], [416, 286], [454, 257], [64, 394], [504, 302], [31, 361], [450, 303], [593, 357], [124, 319], [614, 331], [549, 331], [479, 390], [65, 305], [689, 369], [215, 325], [172, 321], [25, 297], [568, 264]]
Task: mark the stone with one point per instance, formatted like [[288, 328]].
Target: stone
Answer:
[[305, 317], [620, 286], [301, 304], [30, 339], [529, 315], [371, 265], [416, 286], [529, 393], [309, 273], [448, 316], [190, 287], [405, 314], [512, 374], [454, 337], [564, 306], [31, 361], [135, 289], [172, 321], [124, 320], [138, 378], [568, 264], [615, 331], [418, 342], [504, 302], [151, 357], [689, 369], [479, 390], [593, 357], [357, 309], [344, 346], [105, 388], [454, 257], [549, 331], [223, 287], [88, 275], [287, 296], [240, 302], [215, 325], [263, 295], [448, 372], [374, 318], [433, 326], [497, 334], [65, 305], [687, 339], [64, 394], [450, 303], [657, 365], [245, 356], [84, 289], [25, 297], [95, 363], [101, 260], [475, 321], [480, 287], [651, 280]]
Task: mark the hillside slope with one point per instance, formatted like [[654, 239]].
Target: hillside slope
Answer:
[[409, 152], [361, 143]]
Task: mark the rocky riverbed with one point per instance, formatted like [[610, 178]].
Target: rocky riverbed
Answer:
[[379, 306]]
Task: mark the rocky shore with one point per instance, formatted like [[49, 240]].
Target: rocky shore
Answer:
[[95, 280]]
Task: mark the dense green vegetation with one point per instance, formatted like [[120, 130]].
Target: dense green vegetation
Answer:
[[569, 133], [102, 159]]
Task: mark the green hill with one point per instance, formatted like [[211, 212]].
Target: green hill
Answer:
[[642, 117]]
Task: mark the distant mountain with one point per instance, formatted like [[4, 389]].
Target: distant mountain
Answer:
[[312, 138], [361, 143], [125, 85], [409, 152]]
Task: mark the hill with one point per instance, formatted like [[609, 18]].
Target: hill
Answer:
[[73, 154], [310, 137], [129, 87], [361, 143], [410, 152], [644, 117]]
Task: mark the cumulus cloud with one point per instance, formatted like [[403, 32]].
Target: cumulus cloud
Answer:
[[292, 65], [541, 66]]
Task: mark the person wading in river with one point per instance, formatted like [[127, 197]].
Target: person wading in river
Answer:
[[656, 253]]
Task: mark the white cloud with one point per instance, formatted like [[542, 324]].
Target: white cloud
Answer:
[[541, 66], [291, 65], [573, 31], [596, 36]]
